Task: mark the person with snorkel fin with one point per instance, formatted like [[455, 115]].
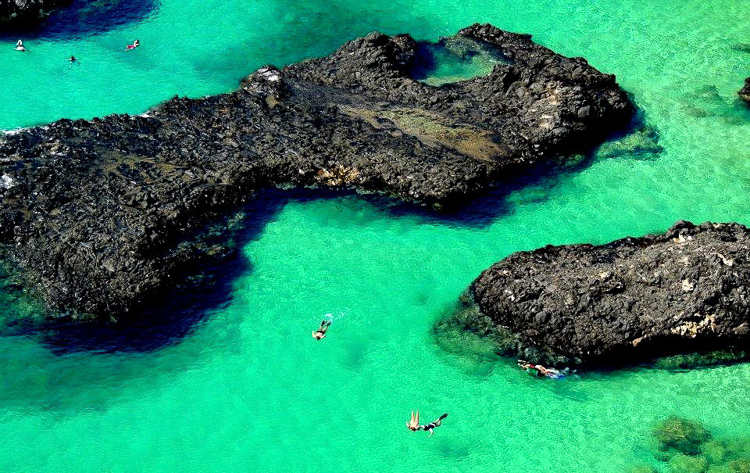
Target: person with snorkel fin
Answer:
[[413, 423], [539, 370]]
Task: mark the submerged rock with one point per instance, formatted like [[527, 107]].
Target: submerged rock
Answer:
[[627, 301], [745, 91], [686, 464], [715, 451], [642, 469], [641, 144], [688, 447], [98, 215], [680, 435], [19, 12]]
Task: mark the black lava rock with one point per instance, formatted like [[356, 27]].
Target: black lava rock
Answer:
[[97, 216], [627, 301]]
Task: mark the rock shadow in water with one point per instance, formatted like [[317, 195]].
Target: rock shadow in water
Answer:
[[481, 211], [708, 102], [171, 318]]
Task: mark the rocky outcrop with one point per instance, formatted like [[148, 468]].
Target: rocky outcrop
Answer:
[[97, 215], [745, 91], [620, 303], [18, 12]]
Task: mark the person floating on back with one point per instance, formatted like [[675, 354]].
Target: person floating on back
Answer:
[[321, 332], [20, 46], [413, 423], [135, 44]]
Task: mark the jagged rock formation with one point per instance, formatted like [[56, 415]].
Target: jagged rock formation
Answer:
[[96, 216], [620, 303]]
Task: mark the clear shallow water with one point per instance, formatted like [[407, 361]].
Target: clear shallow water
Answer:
[[249, 389]]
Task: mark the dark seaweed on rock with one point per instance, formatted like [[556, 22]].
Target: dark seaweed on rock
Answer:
[[98, 215], [627, 301]]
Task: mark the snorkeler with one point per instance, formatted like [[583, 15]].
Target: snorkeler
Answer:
[[433, 424], [413, 423], [539, 370], [135, 44], [321, 332], [20, 46]]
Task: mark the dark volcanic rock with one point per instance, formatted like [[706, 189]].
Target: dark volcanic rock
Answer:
[[626, 301], [16, 12], [745, 91], [97, 215]]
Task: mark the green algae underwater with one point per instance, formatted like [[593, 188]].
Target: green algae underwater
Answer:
[[248, 389]]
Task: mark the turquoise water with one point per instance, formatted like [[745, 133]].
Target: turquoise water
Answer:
[[249, 390]]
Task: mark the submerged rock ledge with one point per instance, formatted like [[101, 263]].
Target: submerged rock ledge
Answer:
[[26, 12], [621, 303], [96, 216]]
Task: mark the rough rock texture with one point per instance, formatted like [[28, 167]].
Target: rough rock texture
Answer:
[[745, 91], [96, 214], [15, 12], [628, 300]]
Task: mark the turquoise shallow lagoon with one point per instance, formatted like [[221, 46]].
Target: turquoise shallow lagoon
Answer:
[[249, 390]]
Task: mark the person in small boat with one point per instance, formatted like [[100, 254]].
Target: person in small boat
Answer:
[[135, 44], [20, 46], [321, 332]]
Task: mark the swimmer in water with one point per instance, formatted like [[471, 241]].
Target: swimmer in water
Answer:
[[413, 423], [74, 59], [20, 46], [135, 44], [539, 370], [431, 426], [321, 332]]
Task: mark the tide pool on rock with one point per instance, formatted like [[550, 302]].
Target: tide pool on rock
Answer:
[[249, 388], [355, 119]]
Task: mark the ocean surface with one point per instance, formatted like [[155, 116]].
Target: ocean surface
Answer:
[[244, 387]]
